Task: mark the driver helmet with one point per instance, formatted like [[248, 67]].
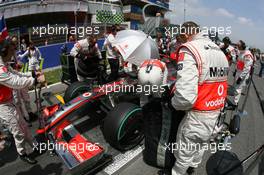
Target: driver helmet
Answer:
[[151, 72]]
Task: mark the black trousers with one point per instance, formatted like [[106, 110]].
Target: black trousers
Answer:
[[114, 66]]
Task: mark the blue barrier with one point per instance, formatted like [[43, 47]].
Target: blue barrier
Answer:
[[51, 54]]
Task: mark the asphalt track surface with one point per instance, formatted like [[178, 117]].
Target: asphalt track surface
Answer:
[[248, 140]]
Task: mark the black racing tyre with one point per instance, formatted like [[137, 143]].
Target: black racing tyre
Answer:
[[123, 126], [75, 89]]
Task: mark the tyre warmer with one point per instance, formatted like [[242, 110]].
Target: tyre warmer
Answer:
[[160, 132]]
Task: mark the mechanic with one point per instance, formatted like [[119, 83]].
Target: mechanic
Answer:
[[86, 55], [228, 50], [112, 53], [244, 66], [10, 117], [200, 90], [21, 96], [152, 72]]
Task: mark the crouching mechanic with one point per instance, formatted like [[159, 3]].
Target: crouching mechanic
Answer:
[[86, 55], [10, 117], [200, 90], [152, 72]]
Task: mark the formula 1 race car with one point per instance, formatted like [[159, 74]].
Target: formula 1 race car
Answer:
[[118, 114], [114, 106]]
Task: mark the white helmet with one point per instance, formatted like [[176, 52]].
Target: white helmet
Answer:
[[151, 72]]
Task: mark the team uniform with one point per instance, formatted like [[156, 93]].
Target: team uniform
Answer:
[[22, 100], [244, 65], [21, 96], [200, 90], [10, 116], [82, 46]]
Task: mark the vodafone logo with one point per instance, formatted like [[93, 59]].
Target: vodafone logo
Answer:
[[87, 94], [220, 90], [217, 102]]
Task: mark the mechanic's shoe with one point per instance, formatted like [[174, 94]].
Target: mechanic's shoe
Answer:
[[190, 171], [28, 159], [164, 172], [32, 117]]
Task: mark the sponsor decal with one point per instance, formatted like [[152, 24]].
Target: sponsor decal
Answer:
[[218, 71], [87, 94], [214, 103], [179, 66]]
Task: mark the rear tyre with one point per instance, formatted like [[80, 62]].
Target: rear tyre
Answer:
[[75, 89], [123, 126]]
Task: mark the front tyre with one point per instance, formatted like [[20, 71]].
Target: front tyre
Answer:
[[123, 126], [75, 89]]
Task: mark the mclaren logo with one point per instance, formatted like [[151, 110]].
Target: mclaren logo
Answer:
[[218, 71]]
